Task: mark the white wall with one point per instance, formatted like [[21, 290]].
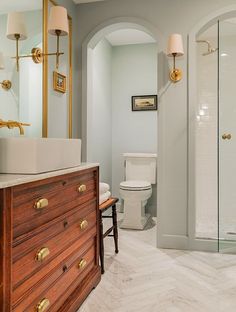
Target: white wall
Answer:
[[100, 129], [134, 72], [30, 97], [25, 89]]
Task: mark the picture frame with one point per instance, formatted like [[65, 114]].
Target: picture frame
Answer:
[[144, 103], [59, 82]]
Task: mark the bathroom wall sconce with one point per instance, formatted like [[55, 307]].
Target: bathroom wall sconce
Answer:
[[6, 84], [175, 49], [16, 30], [58, 26]]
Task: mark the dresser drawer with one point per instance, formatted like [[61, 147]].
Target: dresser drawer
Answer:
[[69, 273], [25, 289], [34, 254], [39, 204]]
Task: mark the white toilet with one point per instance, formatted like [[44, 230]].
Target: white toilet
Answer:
[[140, 174]]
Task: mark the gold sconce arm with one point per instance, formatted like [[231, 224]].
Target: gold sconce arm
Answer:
[[175, 73], [17, 37], [10, 124], [37, 55]]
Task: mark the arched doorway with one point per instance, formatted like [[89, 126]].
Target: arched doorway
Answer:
[[88, 46]]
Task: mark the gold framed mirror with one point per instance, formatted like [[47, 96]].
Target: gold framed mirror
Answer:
[[57, 105]]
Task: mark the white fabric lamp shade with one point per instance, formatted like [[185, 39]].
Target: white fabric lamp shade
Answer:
[[1, 61], [58, 20], [175, 45], [16, 26]]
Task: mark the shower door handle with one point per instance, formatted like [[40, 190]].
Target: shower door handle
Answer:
[[226, 136]]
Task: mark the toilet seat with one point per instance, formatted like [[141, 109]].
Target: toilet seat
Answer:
[[135, 185]]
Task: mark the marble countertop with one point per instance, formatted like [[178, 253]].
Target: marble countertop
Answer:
[[8, 180]]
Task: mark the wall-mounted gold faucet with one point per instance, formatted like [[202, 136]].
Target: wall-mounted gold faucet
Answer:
[[10, 124]]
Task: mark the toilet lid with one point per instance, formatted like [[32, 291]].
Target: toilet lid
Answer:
[[135, 185]]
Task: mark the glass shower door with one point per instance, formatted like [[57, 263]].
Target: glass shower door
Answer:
[[227, 136]]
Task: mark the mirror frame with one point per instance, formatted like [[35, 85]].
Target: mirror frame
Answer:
[[45, 71]]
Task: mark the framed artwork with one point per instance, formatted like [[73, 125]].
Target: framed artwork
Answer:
[[144, 102], [59, 82]]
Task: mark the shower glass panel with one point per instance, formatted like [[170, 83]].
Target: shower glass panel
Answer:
[[227, 136]]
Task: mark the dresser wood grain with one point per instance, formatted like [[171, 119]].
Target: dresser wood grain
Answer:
[[49, 243]]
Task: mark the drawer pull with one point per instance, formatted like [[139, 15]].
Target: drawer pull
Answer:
[[42, 305], [84, 224], [82, 263], [42, 254], [41, 203], [82, 188]]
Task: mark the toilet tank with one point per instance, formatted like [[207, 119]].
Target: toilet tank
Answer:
[[140, 166]]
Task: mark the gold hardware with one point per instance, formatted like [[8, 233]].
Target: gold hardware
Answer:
[[176, 75], [6, 84], [42, 305], [42, 254], [226, 136], [82, 263], [17, 37], [10, 124], [41, 203], [82, 188], [83, 224], [37, 55]]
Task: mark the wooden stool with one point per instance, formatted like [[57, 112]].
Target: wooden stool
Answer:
[[111, 202]]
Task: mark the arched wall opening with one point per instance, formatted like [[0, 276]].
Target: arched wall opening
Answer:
[[88, 100]]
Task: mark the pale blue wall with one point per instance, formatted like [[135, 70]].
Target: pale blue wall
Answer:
[[100, 131], [134, 72]]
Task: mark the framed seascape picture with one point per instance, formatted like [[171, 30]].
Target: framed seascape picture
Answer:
[[59, 82], [144, 102]]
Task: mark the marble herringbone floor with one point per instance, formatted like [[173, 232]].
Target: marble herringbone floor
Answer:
[[142, 278]]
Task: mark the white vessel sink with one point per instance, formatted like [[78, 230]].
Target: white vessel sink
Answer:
[[32, 156]]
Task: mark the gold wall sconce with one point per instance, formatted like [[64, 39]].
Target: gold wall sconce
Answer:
[[16, 30], [175, 49], [6, 84], [58, 26]]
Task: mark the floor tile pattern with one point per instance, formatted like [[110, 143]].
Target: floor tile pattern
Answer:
[[142, 278]]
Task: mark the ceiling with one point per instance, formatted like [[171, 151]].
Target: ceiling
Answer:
[[129, 36], [86, 1], [22, 5]]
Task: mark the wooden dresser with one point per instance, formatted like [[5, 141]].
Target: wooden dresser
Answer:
[[49, 242]]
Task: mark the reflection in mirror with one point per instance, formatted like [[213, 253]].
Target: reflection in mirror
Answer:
[[23, 100], [59, 84]]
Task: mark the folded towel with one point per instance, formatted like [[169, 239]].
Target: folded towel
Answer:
[[103, 188], [104, 197]]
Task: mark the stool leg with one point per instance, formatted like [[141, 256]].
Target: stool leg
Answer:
[[115, 230], [101, 244]]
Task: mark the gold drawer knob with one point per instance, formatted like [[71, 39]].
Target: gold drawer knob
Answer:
[[84, 224], [82, 263], [41, 203], [42, 254], [43, 305], [226, 136], [82, 188]]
